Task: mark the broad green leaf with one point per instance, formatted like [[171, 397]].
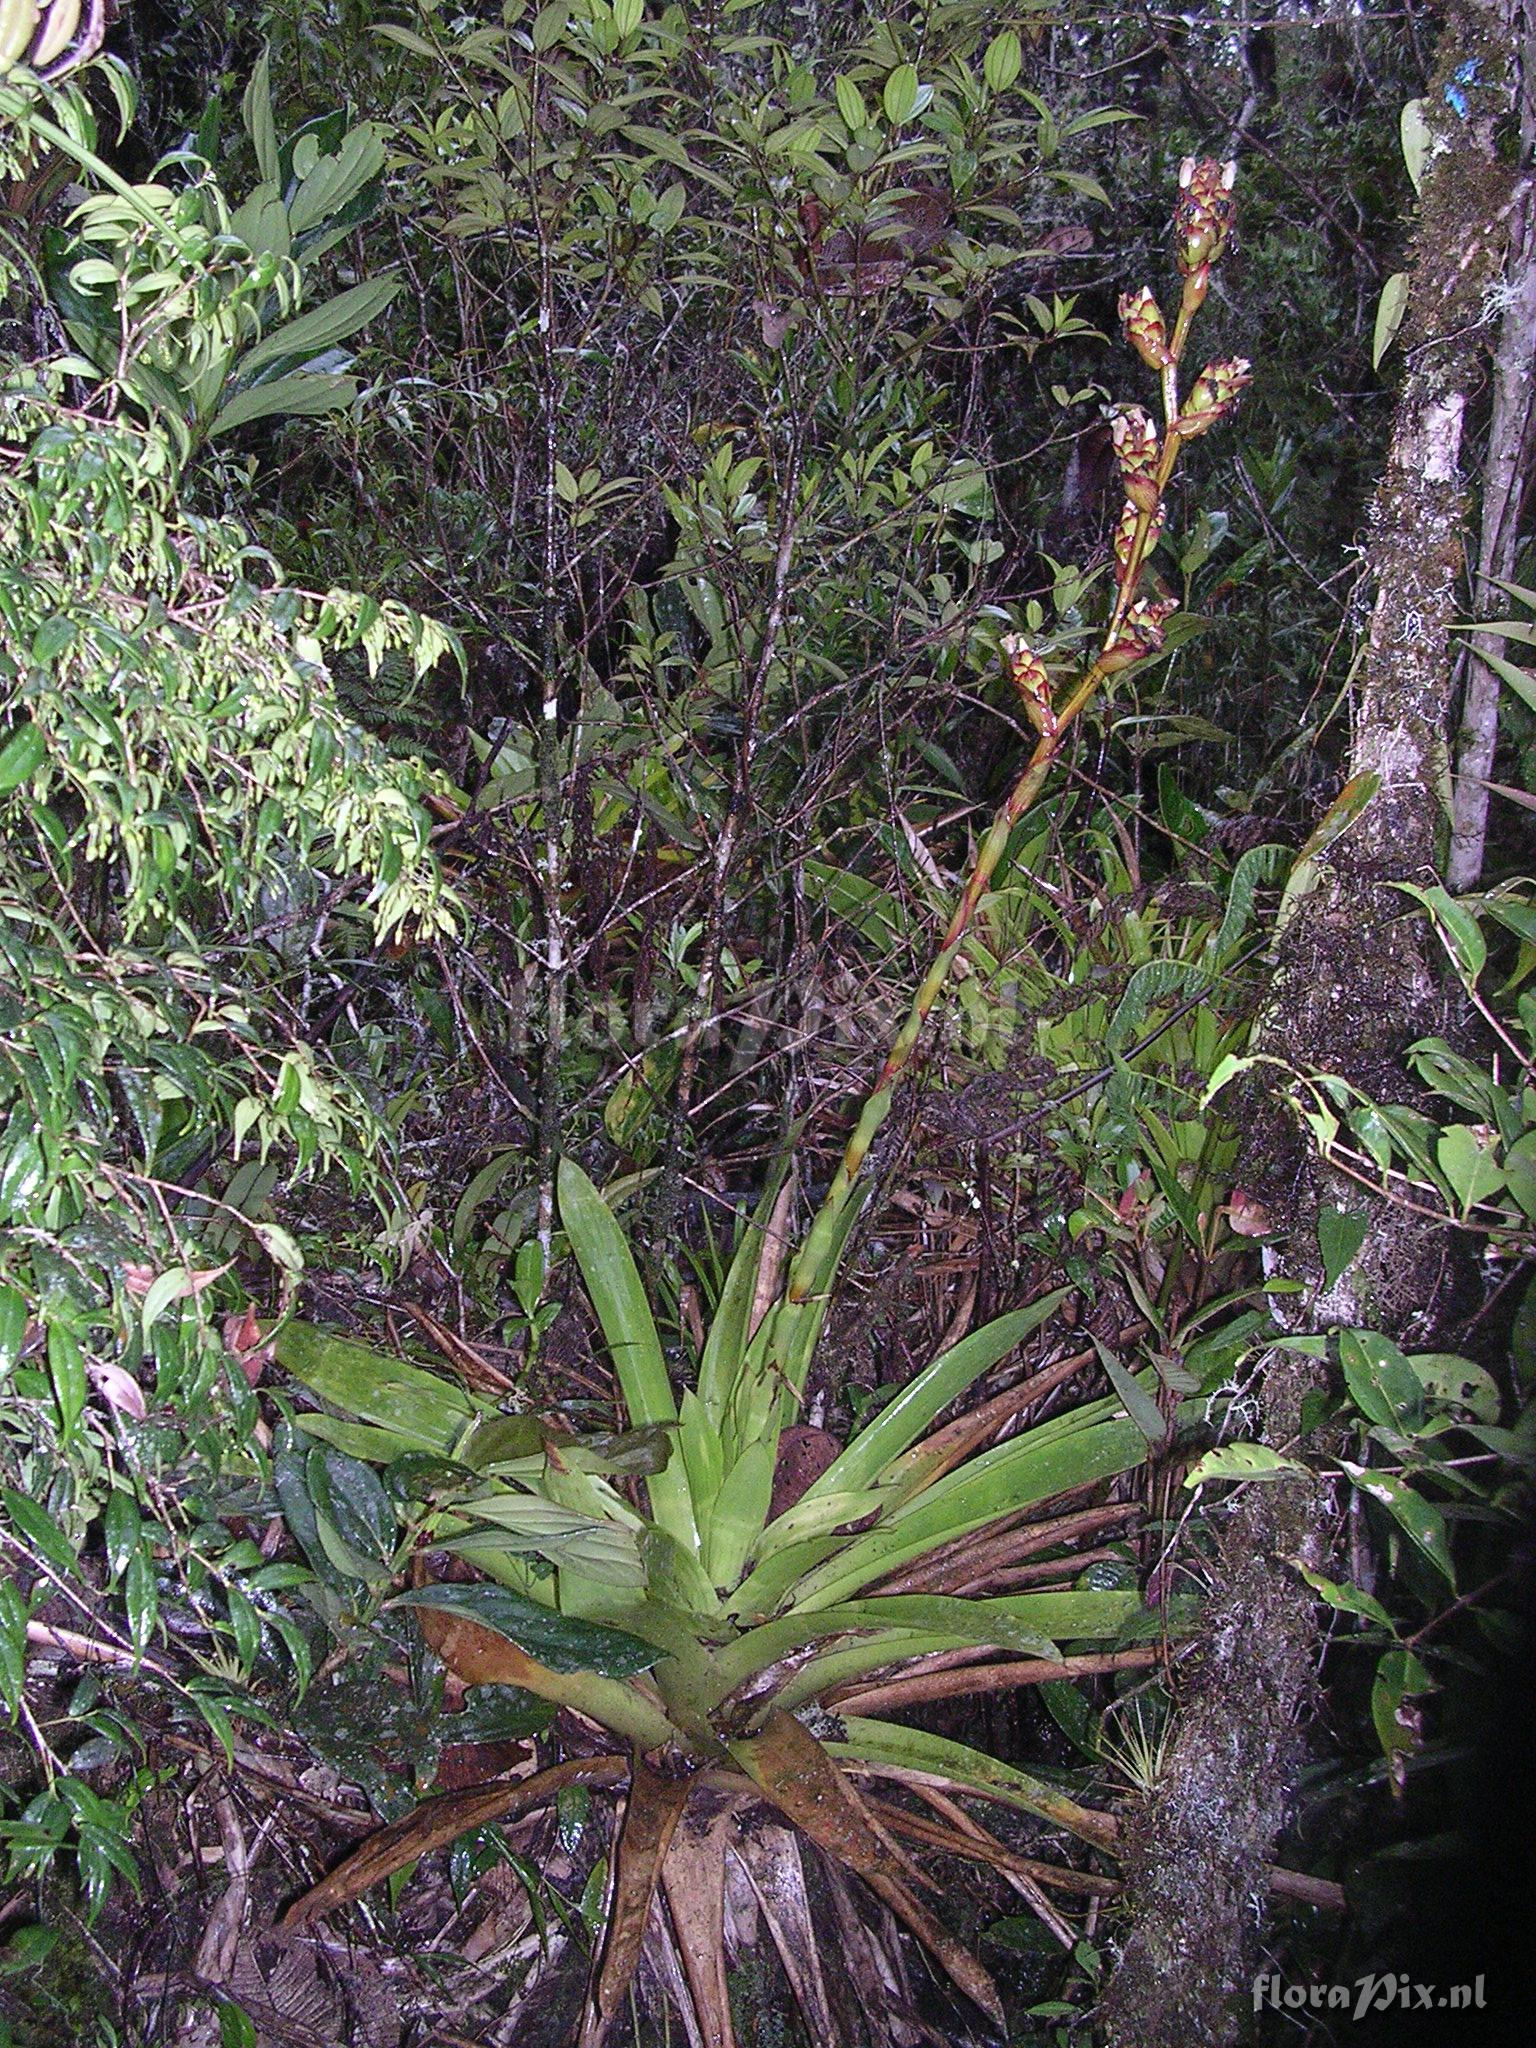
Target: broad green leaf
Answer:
[[1241, 1461], [66, 1371], [1347, 1599], [173, 1285], [629, 1332], [1340, 1235], [818, 1516], [361, 1439], [919, 1404], [739, 1514], [900, 96], [13, 1325], [23, 1171], [1004, 60], [556, 1640], [1390, 308], [322, 327], [1413, 133], [353, 1496], [675, 1577], [1400, 1678], [522, 1521], [1457, 927], [141, 1598], [304, 394], [549, 24], [121, 1529], [1520, 1172], [1523, 682], [1381, 1382], [21, 755], [703, 1455], [421, 1410], [256, 110], [1456, 1381], [1137, 1402], [41, 1531], [1419, 1519], [262, 223], [1352, 800], [1470, 1163], [328, 191], [599, 1551], [850, 105]]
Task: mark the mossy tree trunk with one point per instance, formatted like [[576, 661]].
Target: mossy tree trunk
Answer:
[[1356, 983]]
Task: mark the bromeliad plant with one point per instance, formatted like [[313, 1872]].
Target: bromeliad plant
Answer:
[[723, 1639]]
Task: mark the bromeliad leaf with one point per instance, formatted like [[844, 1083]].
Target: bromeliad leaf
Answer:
[[654, 1808], [887, 1746], [902, 1421], [629, 1331], [797, 1773], [557, 1640]]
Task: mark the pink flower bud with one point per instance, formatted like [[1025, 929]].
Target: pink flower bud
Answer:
[[1144, 328], [1031, 681], [1214, 393], [1140, 634], [1203, 218], [1135, 441]]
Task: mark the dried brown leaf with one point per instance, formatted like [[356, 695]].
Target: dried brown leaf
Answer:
[[693, 1878], [655, 1806], [806, 1785], [439, 1822]]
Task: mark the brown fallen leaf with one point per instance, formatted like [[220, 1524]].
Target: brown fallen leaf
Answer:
[[440, 1821], [655, 1806], [806, 1785]]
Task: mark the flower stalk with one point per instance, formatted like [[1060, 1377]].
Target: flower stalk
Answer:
[[1134, 632]]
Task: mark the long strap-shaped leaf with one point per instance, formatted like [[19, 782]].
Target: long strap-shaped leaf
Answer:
[[963, 1769], [1017, 1474], [693, 1878], [799, 1776], [902, 1421], [441, 1821], [656, 1802], [630, 1334], [480, 1654], [1021, 1622]]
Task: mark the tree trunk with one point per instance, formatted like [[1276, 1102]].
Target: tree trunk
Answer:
[[1506, 480], [1355, 984]]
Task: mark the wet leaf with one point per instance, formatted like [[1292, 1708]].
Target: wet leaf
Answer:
[[1339, 1236], [1241, 1461], [431, 1412], [560, 1642], [1419, 1519]]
